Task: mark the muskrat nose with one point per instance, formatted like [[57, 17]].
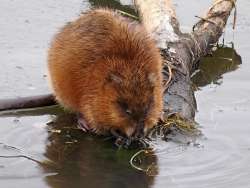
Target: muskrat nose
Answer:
[[139, 130]]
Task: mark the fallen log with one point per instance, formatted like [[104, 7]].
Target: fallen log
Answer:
[[182, 51]]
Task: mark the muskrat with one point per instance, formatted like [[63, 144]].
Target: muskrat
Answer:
[[107, 68]]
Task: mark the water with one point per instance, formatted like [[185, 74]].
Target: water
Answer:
[[220, 158]]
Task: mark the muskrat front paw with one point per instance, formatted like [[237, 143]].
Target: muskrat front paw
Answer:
[[81, 123]]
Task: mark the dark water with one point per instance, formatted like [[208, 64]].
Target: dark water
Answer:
[[40, 148]]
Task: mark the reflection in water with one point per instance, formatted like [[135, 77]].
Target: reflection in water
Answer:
[[87, 160], [211, 68]]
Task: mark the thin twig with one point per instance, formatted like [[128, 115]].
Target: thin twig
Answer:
[[134, 156], [22, 156], [127, 14], [169, 76], [10, 147]]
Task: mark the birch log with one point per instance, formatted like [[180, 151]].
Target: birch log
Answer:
[[182, 51]]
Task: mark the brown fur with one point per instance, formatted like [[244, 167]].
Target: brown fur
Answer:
[[106, 67]]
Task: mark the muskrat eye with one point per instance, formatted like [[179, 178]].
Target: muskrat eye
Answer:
[[129, 112], [124, 107]]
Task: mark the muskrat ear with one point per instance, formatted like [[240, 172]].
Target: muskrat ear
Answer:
[[115, 78]]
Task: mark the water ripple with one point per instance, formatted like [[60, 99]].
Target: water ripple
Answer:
[[218, 163]]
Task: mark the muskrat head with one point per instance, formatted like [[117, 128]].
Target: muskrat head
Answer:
[[135, 99]]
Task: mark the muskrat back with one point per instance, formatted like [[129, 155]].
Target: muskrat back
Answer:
[[107, 68]]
